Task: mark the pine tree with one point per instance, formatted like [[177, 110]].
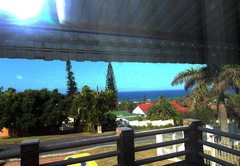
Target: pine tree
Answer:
[[71, 84], [144, 97], [110, 80]]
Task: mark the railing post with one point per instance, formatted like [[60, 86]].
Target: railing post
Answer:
[[29, 152], [194, 134], [126, 146]]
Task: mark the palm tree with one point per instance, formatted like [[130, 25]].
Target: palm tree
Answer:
[[210, 78], [231, 77], [111, 100], [167, 111], [161, 98], [163, 111]]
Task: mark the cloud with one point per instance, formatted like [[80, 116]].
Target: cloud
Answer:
[[19, 77]]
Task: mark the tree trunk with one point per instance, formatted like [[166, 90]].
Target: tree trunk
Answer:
[[223, 118]]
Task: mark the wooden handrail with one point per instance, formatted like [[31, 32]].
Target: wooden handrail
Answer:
[[215, 159], [156, 145], [10, 154], [225, 134], [73, 144], [161, 131], [17, 153], [226, 149]]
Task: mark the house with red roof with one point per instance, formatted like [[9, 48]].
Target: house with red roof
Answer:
[[178, 107], [143, 108], [214, 107]]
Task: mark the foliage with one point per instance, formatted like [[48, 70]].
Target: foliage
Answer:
[[109, 121], [89, 106], [31, 109], [139, 118], [127, 105], [161, 98], [144, 97], [71, 84], [150, 127], [179, 100], [110, 81], [233, 107], [213, 79], [163, 111], [1, 89], [203, 113]]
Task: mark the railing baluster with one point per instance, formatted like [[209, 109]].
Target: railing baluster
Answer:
[[29, 152], [194, 134], [126, 146], [192, 138]]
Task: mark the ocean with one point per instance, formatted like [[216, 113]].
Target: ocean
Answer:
[[153, 95]]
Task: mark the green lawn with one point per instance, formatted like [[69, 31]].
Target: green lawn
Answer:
[[18, 140]]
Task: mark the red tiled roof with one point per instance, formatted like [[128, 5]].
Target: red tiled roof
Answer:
[[214, 107], [145, 107], [178, 107], [185, 103]]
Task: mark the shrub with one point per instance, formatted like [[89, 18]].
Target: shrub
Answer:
[[139, 118], [155, 127], [144, 127], [168, 125]]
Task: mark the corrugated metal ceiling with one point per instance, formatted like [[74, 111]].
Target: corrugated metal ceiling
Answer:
[[176, 31]]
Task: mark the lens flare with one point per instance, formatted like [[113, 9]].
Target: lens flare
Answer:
[[60, 9], [22, 9]]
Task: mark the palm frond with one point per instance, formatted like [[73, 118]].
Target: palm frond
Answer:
[[183, 76]]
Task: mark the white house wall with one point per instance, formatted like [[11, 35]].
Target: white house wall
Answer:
[[138, 110], [154, 123]]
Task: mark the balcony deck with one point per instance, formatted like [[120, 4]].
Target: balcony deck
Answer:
[[125, 138]]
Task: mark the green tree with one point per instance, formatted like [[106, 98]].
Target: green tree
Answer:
[[10, 91], [233, 107], [1, 89], [213, 79], [71, 84], [161, 98], [90, 105], [144, 97], [110, 100], [109, 120], [127, 105], [203, 113], [163, 111], [31, 109], [110, 81]]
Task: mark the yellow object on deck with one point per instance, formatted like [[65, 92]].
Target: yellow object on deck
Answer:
[[87, 163]]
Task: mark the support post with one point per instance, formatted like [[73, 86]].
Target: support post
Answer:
[[126, 146], [194, 134], [29, 152]]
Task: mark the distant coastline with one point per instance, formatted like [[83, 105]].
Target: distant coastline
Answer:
[[153, 95]]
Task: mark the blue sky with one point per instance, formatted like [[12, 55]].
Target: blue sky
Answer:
[[23, 74]]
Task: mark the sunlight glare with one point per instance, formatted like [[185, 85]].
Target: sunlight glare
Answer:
[[22, 9], [60, 9]]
